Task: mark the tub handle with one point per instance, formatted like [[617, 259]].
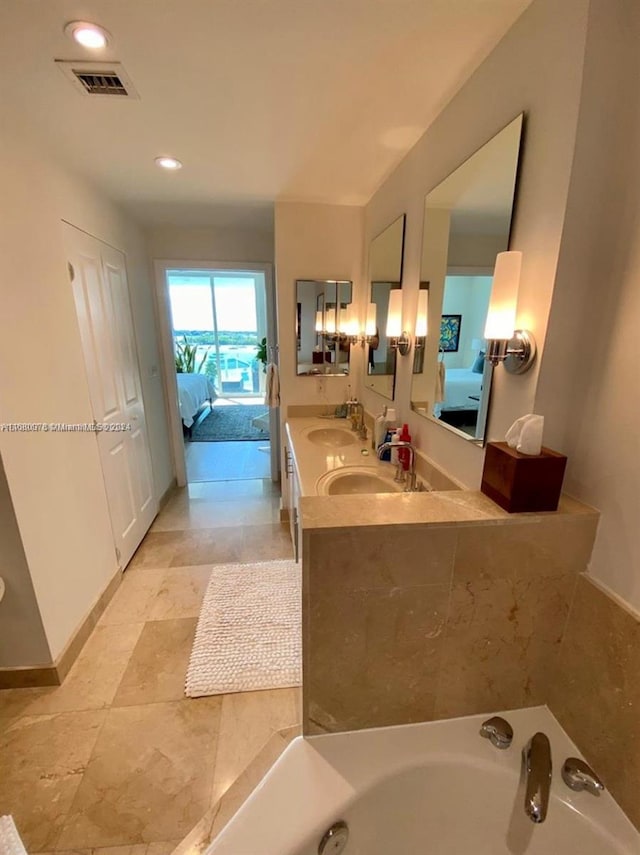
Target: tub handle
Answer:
[[498, 731]]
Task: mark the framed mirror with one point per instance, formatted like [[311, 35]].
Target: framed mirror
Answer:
[[385, 275], [323, 321], [467, 222]]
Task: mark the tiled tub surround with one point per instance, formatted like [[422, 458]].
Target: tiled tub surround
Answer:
[[433, 605], [477, 609], [594, 690]]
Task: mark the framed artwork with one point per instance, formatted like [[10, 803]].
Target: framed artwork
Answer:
[[450, 333], [299, 325]]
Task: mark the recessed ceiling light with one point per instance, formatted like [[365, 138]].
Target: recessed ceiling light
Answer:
[[88, 35], [168, 163]]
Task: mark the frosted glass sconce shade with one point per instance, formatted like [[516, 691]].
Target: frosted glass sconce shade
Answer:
[[394, 314], [371, 324], [516, 349], [501, 317]]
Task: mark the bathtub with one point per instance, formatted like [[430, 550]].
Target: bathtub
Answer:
[[424, 789]]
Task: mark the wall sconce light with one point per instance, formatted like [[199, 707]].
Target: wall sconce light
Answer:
[[319, 324], [422, 319], [399, 338], [348, 326], [516, 349]]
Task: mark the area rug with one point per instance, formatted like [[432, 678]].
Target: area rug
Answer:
[[230, 423], [249, 633]]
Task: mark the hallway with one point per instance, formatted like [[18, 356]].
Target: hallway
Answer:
[[117, 756]]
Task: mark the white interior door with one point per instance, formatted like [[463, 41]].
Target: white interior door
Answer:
[[101, 294]]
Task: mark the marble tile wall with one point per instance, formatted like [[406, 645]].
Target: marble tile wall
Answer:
[[594, 690], [408, 623]]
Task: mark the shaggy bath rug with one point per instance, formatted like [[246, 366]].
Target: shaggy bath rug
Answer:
[[249, 630]]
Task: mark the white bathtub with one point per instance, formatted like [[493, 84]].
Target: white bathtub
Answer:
[[425, 789]]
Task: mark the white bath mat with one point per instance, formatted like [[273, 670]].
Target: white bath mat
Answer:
[[249, 633]]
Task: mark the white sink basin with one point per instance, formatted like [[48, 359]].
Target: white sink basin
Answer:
[[331, 437], [356, 479]]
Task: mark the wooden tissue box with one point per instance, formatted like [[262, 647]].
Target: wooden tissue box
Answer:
[[522, 482]]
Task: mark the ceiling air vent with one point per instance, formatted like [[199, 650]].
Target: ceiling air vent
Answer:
[[100, 79]]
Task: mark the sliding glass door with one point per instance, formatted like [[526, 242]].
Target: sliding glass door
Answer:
[[219, 321]]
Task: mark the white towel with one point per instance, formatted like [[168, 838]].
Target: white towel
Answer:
[[272, 394], [10, 843], [440, 380]]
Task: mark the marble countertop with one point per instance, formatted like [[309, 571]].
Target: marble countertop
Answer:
[[312, 461], [441, 508]]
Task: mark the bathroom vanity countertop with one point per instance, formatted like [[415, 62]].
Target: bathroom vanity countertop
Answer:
[[458, 507], [312, 461], [439, 507]]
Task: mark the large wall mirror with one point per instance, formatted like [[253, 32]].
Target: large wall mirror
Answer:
[[467, 221], [323, 319], [385, 275]]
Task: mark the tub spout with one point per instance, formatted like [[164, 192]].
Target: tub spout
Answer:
[[536, 758]]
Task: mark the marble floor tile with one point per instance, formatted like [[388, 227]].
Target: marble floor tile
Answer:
[[94, 677], [132, 601], [180, 594], [165, 847], [157, 549], [42, 762], [265, 543], [248, 721], [186, 514], [233, 491], [208, 546], [158, 665], [149, 778], [227, 461]]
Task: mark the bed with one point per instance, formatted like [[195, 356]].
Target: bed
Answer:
[[462, 388], [193, 391]]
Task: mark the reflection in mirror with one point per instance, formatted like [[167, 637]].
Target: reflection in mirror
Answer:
[[323, 326], [467, 221], [385, 276]]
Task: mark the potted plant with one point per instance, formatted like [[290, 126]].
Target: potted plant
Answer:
[[261, 354], [186, 358]]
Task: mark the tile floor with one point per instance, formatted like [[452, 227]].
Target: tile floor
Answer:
[[117, 757], [227, 461]]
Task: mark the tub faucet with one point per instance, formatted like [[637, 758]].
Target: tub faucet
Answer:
[[410, 481], [536, 759]]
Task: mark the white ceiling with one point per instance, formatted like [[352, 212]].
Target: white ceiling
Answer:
[[313, 100]]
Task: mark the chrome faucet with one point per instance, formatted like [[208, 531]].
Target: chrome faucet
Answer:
[[358, 422], [536, 759], [498, 731], [410, 481], [579, 776]]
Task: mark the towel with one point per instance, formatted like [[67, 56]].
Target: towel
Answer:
[[272, 394], [10, 843], [440, 379]]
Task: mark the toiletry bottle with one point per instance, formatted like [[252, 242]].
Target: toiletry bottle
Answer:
[[390, 425], [404, 455], [395, 440], [380, 428]]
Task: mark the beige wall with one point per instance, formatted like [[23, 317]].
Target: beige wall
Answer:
[[199, 243], [22, 638], [537, 68], [55, 479], [589, 387], [314, 242]]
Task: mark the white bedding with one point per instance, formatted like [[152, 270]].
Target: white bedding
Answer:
[[193, 391], [459, 385]]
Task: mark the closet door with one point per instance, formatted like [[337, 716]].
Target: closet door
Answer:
[[101, 294]]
